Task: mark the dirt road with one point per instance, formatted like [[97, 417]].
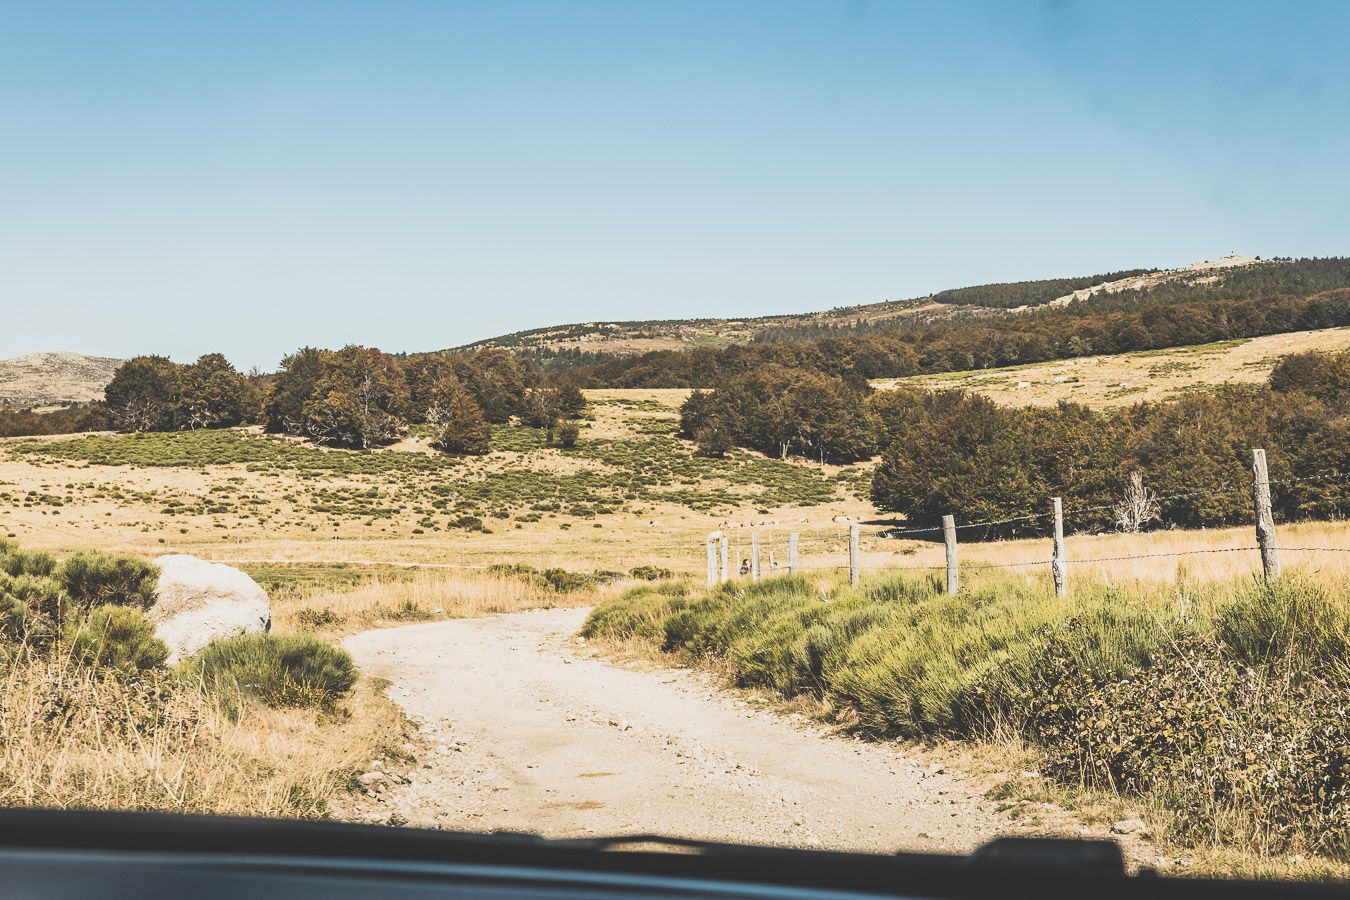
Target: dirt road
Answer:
[[528, 730]]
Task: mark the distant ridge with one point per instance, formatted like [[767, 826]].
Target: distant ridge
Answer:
[[46, 379], [980, 301]]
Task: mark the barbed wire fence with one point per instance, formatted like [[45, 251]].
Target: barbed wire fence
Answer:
[[723, 565]]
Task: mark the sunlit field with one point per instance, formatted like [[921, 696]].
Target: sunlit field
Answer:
[[1125, 378]]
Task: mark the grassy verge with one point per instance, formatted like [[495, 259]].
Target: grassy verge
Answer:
[[93, 717], [1219, 707], [275, 725], [75, 738]]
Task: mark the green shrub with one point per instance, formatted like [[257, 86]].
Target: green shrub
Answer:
[[1292, 619], [15, 562], [281, 670], [318, 618], [651, 573], [118, 637], [1249, 755], [34, 610], [567, 434], [564, 581], [639, 612], [99, 579], [15, 618]]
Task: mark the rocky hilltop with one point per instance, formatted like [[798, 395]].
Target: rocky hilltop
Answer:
[[45, 379]]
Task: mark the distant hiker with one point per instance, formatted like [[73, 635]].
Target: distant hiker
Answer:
[[745, 566]]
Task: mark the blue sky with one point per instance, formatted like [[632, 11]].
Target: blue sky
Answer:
[[184, 177]]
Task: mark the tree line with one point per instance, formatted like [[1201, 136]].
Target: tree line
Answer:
[[1273, 278], [355, 397], [1183, 462]]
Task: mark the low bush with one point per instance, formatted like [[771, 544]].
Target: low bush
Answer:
[[280, 670], [564, 581], [1256, 756], [118, 637], [15, 561], [651, 573], [639, 612], [99, 579], [1292, 621], [33, 610]]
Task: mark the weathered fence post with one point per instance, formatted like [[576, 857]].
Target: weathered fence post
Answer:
[[722, 543], [792, 553], [712, 559], [1059, 567], [854, 556], [754, 556], [949, 538], [1265, 518]]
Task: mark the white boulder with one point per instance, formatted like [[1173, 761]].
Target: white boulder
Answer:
[[198, 602]]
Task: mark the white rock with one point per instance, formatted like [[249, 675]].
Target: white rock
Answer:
[[198, 602]]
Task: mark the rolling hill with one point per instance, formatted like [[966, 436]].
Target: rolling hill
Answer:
[[981, 301], [47, 379]]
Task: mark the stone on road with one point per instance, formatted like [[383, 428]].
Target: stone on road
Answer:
[[527, 731]]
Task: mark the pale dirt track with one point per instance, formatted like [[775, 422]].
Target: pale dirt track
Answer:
[[527, 730]]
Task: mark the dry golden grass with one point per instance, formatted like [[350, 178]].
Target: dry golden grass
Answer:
[[665, 534], [1202, 555], [69, 738], [1126, 378], [427, 595]]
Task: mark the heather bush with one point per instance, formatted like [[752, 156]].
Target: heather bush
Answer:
[[118, 637], [280, 670], [94, 579]]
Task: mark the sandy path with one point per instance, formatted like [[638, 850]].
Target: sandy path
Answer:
[[529, 731]]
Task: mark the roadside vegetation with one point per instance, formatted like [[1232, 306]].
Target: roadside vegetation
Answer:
[[269, 724], [1220, 706], [275, 724]]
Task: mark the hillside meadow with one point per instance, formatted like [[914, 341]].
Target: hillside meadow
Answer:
[[631, 493], [1123, 379]]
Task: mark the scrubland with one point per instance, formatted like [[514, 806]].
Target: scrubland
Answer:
[[630, 494]]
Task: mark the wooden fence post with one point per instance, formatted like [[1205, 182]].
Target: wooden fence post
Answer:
[[712, 559], [1265, 518], [754, 556], [722, 543], [1059, 567], [949, 538], [854, 556], [792, 553]]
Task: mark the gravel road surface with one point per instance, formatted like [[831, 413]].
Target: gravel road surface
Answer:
[[524, 728]]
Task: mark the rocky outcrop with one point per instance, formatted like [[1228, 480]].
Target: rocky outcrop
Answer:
[[198, 602]]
